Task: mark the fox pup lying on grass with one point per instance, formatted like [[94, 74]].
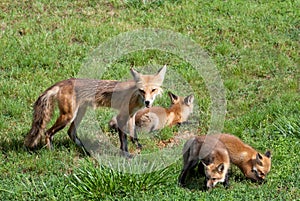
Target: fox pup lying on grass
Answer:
[[213, 156], [253, 164], [156, 118], [73, 96]]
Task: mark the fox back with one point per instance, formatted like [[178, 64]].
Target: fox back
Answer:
[[253, 164]]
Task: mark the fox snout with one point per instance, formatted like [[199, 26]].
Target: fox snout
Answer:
[[209, 185], [147, 103], [147, 97]]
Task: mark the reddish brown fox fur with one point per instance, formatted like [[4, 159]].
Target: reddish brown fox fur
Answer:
[[213, 156], [155, 118], [253, 164], [73, 96]]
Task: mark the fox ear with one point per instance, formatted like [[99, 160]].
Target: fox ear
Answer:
[[136, 76], [204, 162], [268, 154], [189, 100], [173, 97], [221, 167], [160, 75], [208, 160], [259, 157], [162, 71]]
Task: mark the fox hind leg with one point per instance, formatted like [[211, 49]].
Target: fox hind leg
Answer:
[[60, 123], [72, 132], [66, 115]]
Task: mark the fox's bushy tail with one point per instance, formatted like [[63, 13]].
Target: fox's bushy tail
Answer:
[[42, 112]]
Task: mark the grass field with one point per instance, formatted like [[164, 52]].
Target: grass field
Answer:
[[254, 45]]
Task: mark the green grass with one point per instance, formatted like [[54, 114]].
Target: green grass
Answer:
[[254, 44], [101, 182]]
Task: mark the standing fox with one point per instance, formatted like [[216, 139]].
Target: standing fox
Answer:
[[254, 165], [73, 96], [213, 156], [156, 118]]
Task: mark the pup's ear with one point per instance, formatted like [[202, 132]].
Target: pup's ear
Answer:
[[189, 100], [207, 161], [221, 167], [173, 97], [268, 154], [259, 157]]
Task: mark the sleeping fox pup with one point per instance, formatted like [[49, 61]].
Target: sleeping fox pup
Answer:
[[254, 165], [156, 118], [213, 156]]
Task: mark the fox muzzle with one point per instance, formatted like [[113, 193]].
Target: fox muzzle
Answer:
[[147, 103]]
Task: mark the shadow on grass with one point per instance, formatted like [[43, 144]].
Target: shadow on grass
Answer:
[[195, 184], [238, 178], [17, 145], [12, 144], [195, 181]]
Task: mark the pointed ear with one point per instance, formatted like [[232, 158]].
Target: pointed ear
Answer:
[[259, 157], [268, 154], [221, 167], [205, 163], [173, 97], [189, 100], [208, 160], [160, 75], [136, 76], [162, 71]]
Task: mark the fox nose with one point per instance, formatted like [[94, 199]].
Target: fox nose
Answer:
[[147, 103], [209, 186], [261, 179]]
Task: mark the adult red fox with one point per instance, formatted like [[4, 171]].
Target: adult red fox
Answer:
[[73, 96], [156, 118], [213, 156], [254, 165]]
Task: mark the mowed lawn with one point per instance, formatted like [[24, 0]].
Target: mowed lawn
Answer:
[[254, 46]]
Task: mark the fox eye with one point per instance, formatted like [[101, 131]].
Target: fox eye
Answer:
[[214, 179], [153, 90], [142, 91]]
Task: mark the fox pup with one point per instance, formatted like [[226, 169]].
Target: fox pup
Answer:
[[213, 156], [73, 96], [254, 165], [156, 118]]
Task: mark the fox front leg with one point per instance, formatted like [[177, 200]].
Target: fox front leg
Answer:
[[124, 145], [226, 181], [122, 122], [133, 133]]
